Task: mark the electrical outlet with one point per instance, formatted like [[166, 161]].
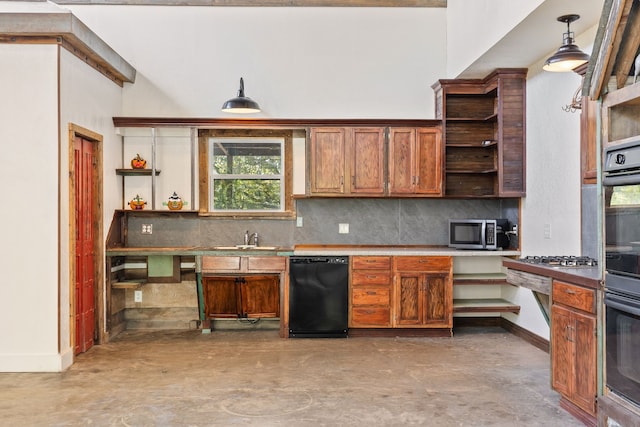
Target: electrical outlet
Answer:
[[137, 296], [299, 221], [547, 231], [343, 228], [147, 228]]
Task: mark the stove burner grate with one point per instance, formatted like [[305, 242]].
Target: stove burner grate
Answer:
[[561, 261]]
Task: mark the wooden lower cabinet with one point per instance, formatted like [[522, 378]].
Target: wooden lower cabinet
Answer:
[[401, 292], [423, 300], [370, 292], [573, 348], [241, 296]]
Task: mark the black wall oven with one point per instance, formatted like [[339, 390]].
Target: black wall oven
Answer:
[[622, 279]]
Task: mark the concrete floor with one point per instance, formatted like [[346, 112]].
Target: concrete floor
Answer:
[[480, 377]]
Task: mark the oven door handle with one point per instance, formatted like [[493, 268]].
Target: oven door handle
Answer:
[[622, 179], [622, 303]]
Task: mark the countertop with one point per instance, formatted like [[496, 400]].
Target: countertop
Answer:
[[590, 277], [420, 250]]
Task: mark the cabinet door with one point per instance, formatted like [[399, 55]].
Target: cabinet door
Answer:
[[221, 298], [401, 161], [327, 160], [428, 162], [409, 299], [437, 295], [583, 337], [561, 350], [366, 152], [260, 296]]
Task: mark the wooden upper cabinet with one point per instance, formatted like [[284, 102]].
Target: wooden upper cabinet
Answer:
[[366, 154], [327, 160], [347, 161], [415, 162], [402, 143], [484, 130], [588, 146]]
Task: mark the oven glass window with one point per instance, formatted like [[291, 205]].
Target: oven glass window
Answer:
[[625, 195], [623, 349], [622, 233]]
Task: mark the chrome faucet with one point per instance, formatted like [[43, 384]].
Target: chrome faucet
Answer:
[[248, 237]]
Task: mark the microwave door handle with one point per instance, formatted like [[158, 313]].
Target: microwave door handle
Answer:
[[483, 234]]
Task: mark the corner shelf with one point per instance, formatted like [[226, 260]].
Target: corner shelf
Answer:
[[477, 110], [482, 305]]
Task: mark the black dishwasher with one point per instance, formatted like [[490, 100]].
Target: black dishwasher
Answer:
[[318, 296]]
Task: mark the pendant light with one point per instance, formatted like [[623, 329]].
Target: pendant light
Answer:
[[241, 104], [568, 56]]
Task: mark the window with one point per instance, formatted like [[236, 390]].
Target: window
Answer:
[[245, 172]]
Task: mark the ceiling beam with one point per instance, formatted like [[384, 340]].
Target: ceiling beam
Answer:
[[629, 48], [265, 3]]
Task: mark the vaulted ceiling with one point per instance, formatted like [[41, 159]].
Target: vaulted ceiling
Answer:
[[616, 47]]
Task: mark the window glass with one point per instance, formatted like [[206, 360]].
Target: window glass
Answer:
[[246, 174]]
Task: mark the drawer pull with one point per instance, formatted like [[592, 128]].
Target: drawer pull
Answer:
[[372, 276], [371, 293], [570, 291]]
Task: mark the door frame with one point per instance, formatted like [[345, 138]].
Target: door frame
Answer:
[[98, 226]]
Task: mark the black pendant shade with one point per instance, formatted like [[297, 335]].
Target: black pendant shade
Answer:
[[241, 104], [568, 56]]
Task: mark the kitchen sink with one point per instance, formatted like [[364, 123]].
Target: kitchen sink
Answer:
[[245, 247]]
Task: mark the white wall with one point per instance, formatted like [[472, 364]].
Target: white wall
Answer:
[[90, 100], [296, 62], [29, 176], [553, 162]]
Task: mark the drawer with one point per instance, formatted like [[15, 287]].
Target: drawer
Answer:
[[574, 296], [370, 296], [423, 263], [266, 263], [214, 263], [372, 277], [371, 263], [370, 316]]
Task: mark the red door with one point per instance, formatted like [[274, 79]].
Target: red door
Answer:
[[84, 285]]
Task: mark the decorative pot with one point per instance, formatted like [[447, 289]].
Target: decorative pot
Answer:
[[137, 203], [175, 202], [138, 162]]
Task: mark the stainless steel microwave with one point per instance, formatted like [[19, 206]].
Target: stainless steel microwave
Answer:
[[488, 234]]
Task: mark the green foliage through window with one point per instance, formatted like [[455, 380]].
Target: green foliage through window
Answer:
[[247, 174]]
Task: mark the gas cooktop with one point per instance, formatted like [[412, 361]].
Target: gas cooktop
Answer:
[[561, 261]]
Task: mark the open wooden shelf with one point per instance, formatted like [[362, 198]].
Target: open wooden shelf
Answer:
[[480, 279], [128, 284], [136, 172], [488, 305]]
